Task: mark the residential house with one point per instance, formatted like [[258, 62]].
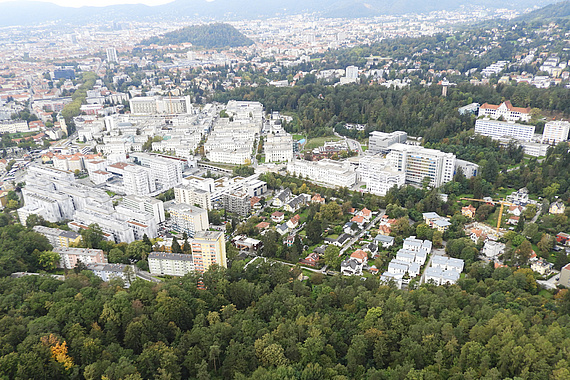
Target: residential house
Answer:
[[244, 243], [282, 229], [360, 256], [384, 230], [514, 220], [295, 203], [477, 234], [515, 210], [468, 211], [277, 216], [493, 248], [289, 241], [371, 247], [359, 220], [385, 241], [311, 260], [282, 198], [541, 266], [262, 226], [563, 238], [317, 199], [255, 203], [366, 214], [293, 222], [349, 228], [557, 207], [351, 267]]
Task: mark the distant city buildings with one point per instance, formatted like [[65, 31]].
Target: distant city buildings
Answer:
[[555, 132]]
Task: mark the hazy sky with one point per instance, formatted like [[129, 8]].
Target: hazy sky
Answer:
[[99, 3]]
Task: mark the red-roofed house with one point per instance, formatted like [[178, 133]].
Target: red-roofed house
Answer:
[[506, 111], [277, 216], [360, 256], [468, 211]]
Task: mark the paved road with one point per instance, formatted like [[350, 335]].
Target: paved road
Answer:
[[438, 252], [537, 215], [355, 239]]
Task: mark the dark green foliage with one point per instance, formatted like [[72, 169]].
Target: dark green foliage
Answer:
[[260, 323], [211, 36]]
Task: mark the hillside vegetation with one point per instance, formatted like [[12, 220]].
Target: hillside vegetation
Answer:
[[211, 36]]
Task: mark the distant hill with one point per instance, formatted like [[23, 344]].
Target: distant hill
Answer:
[[211, 36], [23, 12], [550, 12]]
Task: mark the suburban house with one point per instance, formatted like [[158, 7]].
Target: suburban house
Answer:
[[513, 220], [384, 241], [360, 256], [557, 207], [277, 216], [317, 199], [468, 211], [282, 198], [293, 222]]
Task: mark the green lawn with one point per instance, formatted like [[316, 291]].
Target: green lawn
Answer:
[[298, 137], [319, 141]]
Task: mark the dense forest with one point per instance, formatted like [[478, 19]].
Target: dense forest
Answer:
[[261, 323], [210, 36]]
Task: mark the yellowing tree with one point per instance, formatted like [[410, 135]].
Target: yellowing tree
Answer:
[[58, 350]]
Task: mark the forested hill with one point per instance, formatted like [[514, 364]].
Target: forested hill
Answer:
[[262, 324], [550, 12], [211, 36]]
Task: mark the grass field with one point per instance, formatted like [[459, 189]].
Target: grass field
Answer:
[[319, 141]]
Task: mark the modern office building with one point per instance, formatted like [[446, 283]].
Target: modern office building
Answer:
[[499, 129], [418, 163], [380, 141]]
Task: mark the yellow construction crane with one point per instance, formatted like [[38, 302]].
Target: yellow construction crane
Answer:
[[501, 202]]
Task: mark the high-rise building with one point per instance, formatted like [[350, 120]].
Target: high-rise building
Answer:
[[352, 72], [418, 163], [165, 172], [189, 219], [237, 202], [137, 181], [555, 132], [208, 248], [112, 55]]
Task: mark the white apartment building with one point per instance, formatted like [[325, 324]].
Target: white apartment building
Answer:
[[153, 206], [112, 55], [418, 163], [555, 132], [278, 147], [352, 72], [160, 105], [170, 264], [506, 111], [380, 141], [189, 219], [378, 175], [14, 126], [498, 129], [191, 195], [108, 272], [69, 257], [236, 156], [166, 172], [331, 172], [138, 181]]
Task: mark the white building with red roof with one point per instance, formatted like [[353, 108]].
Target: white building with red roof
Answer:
[[506, 111]]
